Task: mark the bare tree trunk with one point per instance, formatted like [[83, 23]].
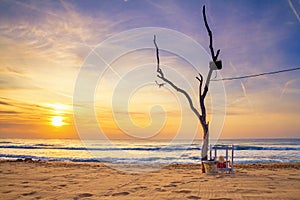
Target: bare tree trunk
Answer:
[[204, 149]]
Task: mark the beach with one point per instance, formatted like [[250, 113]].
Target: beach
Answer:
[[72, 180]]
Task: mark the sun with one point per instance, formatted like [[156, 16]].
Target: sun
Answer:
[[57, 121], [58, 114]]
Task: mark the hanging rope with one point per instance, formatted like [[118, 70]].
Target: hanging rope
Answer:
[[256, 75]]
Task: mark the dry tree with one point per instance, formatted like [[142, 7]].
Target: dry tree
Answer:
[[215, 64]]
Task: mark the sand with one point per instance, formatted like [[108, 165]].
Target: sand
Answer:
[[59, 180]]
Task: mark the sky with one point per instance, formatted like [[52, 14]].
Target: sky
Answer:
[[45, 45]]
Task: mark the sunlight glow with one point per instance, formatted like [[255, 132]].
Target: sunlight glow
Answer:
[[59, 108], [57, 121]]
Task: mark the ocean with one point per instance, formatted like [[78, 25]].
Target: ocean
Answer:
[[146, 151]]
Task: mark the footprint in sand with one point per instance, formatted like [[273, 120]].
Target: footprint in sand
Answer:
[[205, 180], [29, 193], [43, 179], [85, 195], [191, 182], [170, 185], [82, 195], [62, 185], [120, 194], [196, 178], [193, 197], [183, 191], [7, 191], [296, 179], [140, 187], [160, 190]]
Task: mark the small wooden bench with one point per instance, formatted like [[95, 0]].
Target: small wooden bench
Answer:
[[228, 158]]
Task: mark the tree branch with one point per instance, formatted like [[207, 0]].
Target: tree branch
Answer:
[[200, 86], [213, 56], [162, 77], [202, 106], [204, 92], [157, 56], [201, 101]]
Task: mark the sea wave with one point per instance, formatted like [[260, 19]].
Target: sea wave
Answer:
[[168, 148], [99, 149], [240, 147], [149, 160], [4, 142]]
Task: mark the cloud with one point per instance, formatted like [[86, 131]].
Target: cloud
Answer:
[[56, 34], [15, 71], [8, 112], [9, 82], [4, 103], [288, 87], [294, 10]]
